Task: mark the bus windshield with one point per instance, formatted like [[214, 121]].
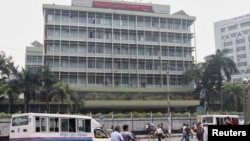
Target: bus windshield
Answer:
[[18, 121]]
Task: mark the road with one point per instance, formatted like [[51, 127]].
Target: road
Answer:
[[174, 138]]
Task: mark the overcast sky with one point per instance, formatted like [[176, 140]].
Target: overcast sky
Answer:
[[22, 22]]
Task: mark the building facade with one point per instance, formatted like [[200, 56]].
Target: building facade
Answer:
[[233, 34], [117, 44], [34, 56]]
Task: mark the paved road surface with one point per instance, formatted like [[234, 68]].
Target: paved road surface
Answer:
[[174, 138]]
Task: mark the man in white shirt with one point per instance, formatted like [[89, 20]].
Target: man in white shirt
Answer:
[[116, 135], [183, 132]]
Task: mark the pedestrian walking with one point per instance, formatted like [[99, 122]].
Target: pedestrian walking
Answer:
[[183, 132], [126, 134], [116, 135], [158, 132]]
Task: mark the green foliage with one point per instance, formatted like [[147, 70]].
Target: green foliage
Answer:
[[126, 96], [4, 116], [233, 96]]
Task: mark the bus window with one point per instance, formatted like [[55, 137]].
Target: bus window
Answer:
[[72, 125], [17, 121], [53, 124], [81, 126], [43, 124], [64, 125], [207, 119], [88, 125], [40, 124], [37, 124]]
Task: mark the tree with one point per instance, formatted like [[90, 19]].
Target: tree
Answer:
[[7, 80], [62, 92], [209, 76], [28, 80], [12, 91], [7, 67], [195, 72], [218, 66], [46, 81], [233, 96]]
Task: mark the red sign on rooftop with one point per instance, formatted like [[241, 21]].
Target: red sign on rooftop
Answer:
[[122, 6]]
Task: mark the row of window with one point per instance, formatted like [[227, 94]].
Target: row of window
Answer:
[[124, 50], [56, 124], [234, 27], [65, 33], [81, 18], [34, 59], [101, 64], [124, 80]]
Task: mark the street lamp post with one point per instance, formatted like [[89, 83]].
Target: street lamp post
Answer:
[[168, 90]]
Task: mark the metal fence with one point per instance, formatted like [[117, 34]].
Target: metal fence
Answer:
[[139, 124]]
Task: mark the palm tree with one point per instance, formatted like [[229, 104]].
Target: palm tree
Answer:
[[194, 72], [28, 80], [62, 92], [12, 91], [218, 66], [233, 95], [46, 81]]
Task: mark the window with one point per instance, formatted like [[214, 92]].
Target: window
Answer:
[[53, 124], [81, 125], [17, 121], [68, 125], [40, 124], [125, 65], [240, 64], [228, 43], [222, 30], [91, 63], [82, 18], [238, 41], [241, 56], [245, 24], [241, 48], [232, 27], [50, 18], [100, 134], [91, 80], [73, 79], [125, 80], [108, 50]]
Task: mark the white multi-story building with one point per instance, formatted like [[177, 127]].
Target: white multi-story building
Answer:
[[104, 44], [234, 34], [34, 56]]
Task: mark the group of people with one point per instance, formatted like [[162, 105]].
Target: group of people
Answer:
[[125, 135], [200, 131], [228, 121]]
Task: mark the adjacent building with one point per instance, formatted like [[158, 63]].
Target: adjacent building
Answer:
[[233, 34], [34, 56], [99, 44]]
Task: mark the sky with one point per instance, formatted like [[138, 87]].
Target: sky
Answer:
[[22, 22]]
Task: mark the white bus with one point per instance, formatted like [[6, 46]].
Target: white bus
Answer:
[[55, 127], [217, 119]]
